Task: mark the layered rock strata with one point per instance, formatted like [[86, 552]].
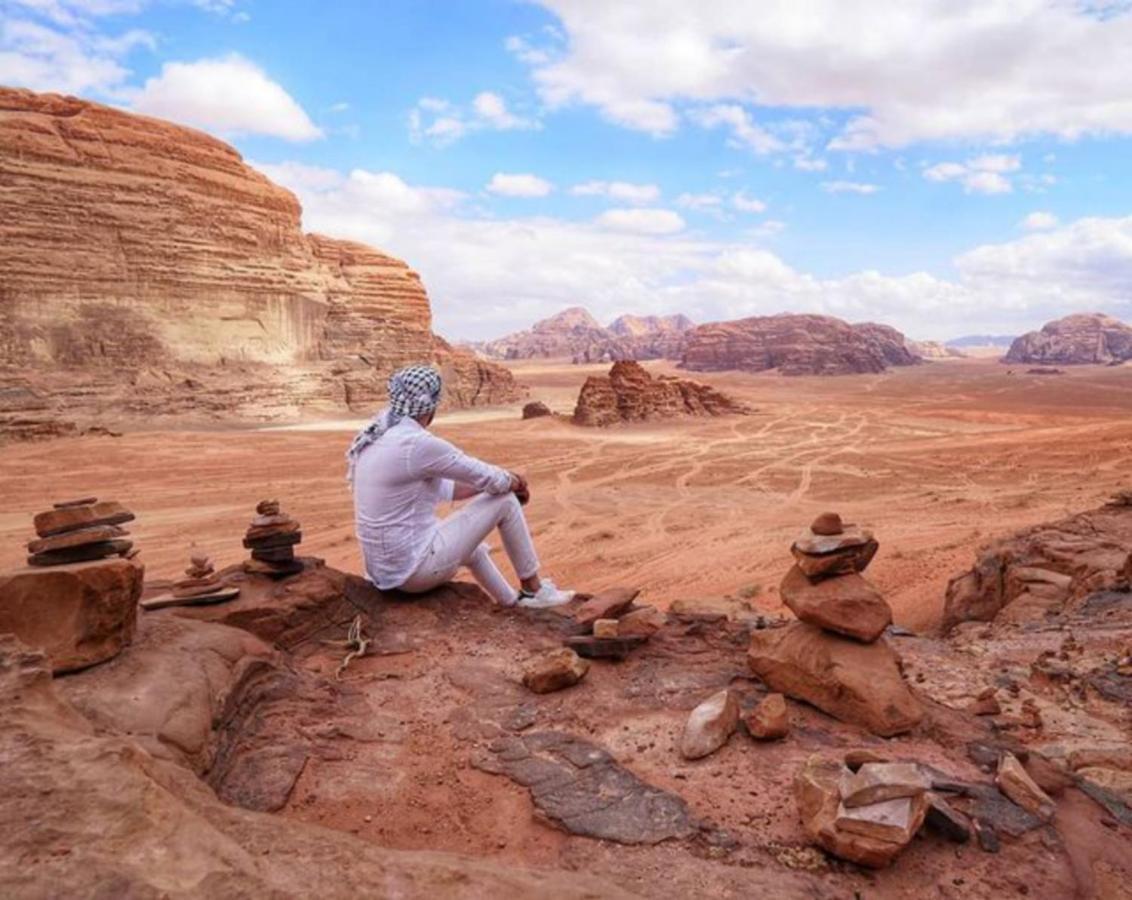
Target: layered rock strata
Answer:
[[130, 243], [630, 394], [796, 345], [1075, 340]]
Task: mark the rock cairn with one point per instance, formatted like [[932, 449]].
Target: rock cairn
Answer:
[[202, 585], [610, 624], [80, 531], [835, 657], [272, 536]]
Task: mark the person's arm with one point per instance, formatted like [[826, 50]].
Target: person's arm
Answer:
[[464, 492], [435, 457]]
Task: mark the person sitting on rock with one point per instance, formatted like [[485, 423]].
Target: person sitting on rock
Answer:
[[400, 473]]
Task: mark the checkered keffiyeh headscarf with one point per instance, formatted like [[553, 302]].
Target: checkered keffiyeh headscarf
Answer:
[[413, 391]]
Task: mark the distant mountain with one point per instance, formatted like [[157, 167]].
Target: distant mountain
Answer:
[[1075, 340], [796, 345], [577, 335], [981, 340], [935, 350]]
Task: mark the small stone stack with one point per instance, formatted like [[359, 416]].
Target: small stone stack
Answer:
[[610, 624], [272, 537], [835, 657], [201, 586], [825, 587], [80, 531]]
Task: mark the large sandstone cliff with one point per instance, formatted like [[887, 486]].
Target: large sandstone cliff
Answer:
[[129, 244], [1076, 339], [796, 345]]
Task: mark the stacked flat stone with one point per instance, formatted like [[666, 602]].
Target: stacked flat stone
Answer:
[[272, 537], [825, 587], [80, 531], [835, 656], [201, 579]]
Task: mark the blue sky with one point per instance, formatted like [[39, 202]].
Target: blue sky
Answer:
[[948, 167]]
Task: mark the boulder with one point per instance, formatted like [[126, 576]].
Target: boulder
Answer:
[[877, 782], [1076, 339], [817, 791], [848, 604], [769, 720], [845, 560], [553, 671], [854, 682], [1013, 780], [710, 725], [630, 394], [536, 409], [79, 614]]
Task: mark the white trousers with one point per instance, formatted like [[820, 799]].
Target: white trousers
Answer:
[[459, 542]]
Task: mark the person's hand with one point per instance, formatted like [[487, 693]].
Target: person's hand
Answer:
[[520, 488]]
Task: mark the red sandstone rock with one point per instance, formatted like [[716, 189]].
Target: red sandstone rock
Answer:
[[847, 604], [90, 535], [630, 394], [553, 671], [854, 682], [80, 614], [770, 720], [607, 605], [536, 410], [123, 239], [70, 518], [795, 345], [1079, 338]]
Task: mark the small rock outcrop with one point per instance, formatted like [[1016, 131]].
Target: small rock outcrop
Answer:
[[630, 394], [1079, 339], [536, 409], [796, 345]]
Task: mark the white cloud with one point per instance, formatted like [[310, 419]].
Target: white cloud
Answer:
[[227, 96], [917, 71], [744, 132], [810, 164], [1039, 221], [699, 201], [518, 185], [746, 204], [849, 187], [985, 174], [441, 122], [642, 221], [487, 276], [626, 191]]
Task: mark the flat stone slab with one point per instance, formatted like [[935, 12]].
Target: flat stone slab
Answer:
[[581, 788], [69, 518], [82, 553], [603, 648], [166, 600], [93, 535]]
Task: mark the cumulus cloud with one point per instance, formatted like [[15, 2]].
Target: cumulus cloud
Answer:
[[921, 71], [642, 221], [518, 185], [746, 204], [985, 174], [487, 276], [625, 191], [849, 187], [228, 96], [1039, 221], [699, 201], [440, 122], [745, 133]]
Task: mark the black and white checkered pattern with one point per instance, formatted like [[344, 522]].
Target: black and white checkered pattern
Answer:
[[413, 391]]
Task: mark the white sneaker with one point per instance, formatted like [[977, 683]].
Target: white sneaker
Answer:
[[547, 595]]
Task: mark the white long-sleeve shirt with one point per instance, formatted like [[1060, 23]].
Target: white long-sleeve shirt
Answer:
[[399, 480]]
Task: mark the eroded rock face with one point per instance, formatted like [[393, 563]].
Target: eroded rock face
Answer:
[[795, 345], [124, 239], [79, 614], [575, 334], [854, 682], [1077, 339], [1048, 567], [630, 394]]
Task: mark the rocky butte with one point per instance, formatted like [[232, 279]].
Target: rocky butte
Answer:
[[1077, 339], [796, 345], [630, 394], [577, 335], [151, 264]]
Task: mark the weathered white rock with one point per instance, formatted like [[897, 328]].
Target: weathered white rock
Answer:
[[710, 725], [1013, 781]]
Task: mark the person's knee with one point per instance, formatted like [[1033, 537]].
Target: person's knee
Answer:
[[481, 553]]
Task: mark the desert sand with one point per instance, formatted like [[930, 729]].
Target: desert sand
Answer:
[[935, 458]]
